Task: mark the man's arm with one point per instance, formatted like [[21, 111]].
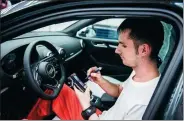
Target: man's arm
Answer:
[[110, 88], [84, 99], [94, 117]]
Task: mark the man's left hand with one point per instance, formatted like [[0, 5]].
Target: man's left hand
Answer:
[[84, 98]]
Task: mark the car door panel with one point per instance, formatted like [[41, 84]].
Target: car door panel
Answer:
[[102, 53]]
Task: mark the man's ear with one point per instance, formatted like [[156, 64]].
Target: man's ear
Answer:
[[144, 50]]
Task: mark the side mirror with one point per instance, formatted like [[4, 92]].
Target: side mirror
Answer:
[[87, 32]]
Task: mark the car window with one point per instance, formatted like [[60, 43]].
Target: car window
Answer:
[[56, 27], [168, 40], [105, 29], [168, 44]]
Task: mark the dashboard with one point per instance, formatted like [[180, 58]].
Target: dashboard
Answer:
[[13, 61], [12, 52]]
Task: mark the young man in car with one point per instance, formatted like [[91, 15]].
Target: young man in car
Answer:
[[139, 43]]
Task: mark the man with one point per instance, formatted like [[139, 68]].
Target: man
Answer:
[[139, 43]]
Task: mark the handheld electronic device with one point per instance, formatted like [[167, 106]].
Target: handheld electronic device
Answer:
[[75, 81]]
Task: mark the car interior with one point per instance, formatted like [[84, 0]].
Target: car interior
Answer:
[[81, 44]]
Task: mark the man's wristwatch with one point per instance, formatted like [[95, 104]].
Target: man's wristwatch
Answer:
[[88, 112]]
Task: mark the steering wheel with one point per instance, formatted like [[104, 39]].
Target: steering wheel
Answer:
[[47, 73]]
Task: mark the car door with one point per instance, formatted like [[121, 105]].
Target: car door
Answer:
[[101, 40]]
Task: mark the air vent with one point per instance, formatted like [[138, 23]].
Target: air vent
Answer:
[[49, 53], [62, 52]]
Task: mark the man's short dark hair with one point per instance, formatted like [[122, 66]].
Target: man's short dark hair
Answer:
[[145, 30]]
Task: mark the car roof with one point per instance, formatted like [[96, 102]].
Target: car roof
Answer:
[[21, 5], [26, 4]]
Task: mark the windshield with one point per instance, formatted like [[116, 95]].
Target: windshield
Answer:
[[56, 27]]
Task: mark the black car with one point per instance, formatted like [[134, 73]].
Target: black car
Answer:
[[83, 36]]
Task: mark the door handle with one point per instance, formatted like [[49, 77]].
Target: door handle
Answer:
[[104, 45], [113, 46], [99, 44]]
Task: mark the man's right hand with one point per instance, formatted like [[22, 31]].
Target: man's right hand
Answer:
[[110, 88], [96, 77]]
